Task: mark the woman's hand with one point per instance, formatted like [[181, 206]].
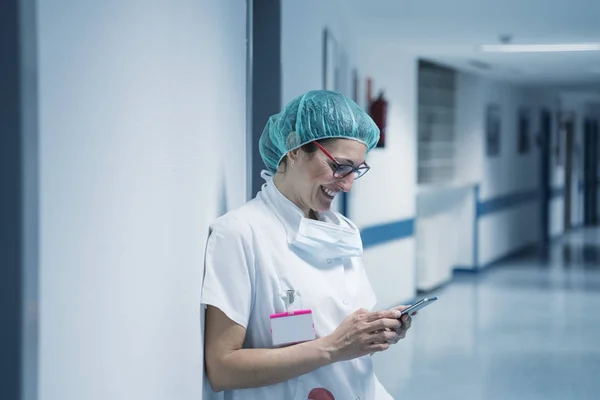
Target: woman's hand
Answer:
[[362, 333], [406, 322]]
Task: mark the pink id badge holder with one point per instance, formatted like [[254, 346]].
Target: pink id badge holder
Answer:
[[294, 326]]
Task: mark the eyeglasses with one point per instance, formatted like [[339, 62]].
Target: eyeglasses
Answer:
[[343, 170]]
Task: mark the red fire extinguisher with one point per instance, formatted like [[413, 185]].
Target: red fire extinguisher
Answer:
[[378, 111]]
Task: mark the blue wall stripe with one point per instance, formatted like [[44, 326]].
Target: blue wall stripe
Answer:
[[507, 201], [379, 234]]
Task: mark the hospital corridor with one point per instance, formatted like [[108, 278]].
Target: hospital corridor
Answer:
[[525, 329], [300, 200]]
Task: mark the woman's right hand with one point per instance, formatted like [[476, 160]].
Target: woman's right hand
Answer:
[[362, 333]]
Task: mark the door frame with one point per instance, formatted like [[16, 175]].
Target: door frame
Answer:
[[264, 74], [590, 177], [545, 168], [569, 131]]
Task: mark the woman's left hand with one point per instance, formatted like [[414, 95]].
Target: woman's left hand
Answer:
[[406, 321]]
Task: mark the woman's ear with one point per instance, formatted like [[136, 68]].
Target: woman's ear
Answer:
[[294, 155]]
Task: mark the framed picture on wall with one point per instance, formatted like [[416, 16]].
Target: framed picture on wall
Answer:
[[336, 65], [524, 137], [330, 49], [492, 130], [355, 86]]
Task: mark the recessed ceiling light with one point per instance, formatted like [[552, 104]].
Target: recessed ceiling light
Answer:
[[539, 48]]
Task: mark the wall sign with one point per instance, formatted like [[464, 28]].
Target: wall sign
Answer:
[[492, 130]]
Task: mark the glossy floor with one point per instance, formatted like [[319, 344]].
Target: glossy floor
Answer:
[[527, 329]]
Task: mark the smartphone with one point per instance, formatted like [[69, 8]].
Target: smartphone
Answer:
[[419, 304]]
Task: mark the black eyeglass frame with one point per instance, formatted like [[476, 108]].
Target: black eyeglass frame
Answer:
[[359, 171]]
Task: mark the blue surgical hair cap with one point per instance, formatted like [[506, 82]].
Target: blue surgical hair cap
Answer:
[[316, 115]]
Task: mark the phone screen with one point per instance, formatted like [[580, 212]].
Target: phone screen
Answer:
[[419, 305]]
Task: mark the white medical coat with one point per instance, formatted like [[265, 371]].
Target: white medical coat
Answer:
[[250, 265]]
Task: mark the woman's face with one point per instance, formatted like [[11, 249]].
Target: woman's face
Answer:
[[312, 174]]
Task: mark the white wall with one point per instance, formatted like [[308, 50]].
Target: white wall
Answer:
[[445, 233], [509, 172], [133, 133], [302, 24], [388, 192], [504, 231], [374, 199], [557, 211], [469, 123]]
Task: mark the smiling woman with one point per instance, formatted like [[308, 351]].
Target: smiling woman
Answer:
[[288, 299], [319, 120], [316, 176]]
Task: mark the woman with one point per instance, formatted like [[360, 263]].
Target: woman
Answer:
[[284, 258]]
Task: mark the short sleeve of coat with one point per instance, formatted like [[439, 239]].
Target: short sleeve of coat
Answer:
[[229, 270]]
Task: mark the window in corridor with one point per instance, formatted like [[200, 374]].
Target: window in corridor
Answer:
[[436, 104]]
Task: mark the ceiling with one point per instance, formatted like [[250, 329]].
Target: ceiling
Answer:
[[450, 31]]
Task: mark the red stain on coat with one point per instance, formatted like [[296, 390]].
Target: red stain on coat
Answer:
[[320, 394]]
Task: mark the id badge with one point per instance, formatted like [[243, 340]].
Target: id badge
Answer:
[[292, 327]]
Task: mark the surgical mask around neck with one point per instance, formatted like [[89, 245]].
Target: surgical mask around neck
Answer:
[[326, 240]]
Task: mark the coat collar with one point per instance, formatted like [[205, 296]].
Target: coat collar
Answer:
[[289, 213]]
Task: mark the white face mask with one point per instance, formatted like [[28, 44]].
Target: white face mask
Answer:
[[327, 240]]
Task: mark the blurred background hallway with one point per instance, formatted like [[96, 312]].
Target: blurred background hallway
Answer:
[[127, 127], [524, 329]]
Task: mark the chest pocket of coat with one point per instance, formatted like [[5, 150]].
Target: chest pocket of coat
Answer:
[[331, 288], [327, 291]]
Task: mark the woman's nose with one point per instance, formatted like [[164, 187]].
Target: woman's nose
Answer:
[[347, 182]]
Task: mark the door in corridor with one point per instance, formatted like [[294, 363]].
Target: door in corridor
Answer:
[[569, 138], [590, 199], [545, 131]]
